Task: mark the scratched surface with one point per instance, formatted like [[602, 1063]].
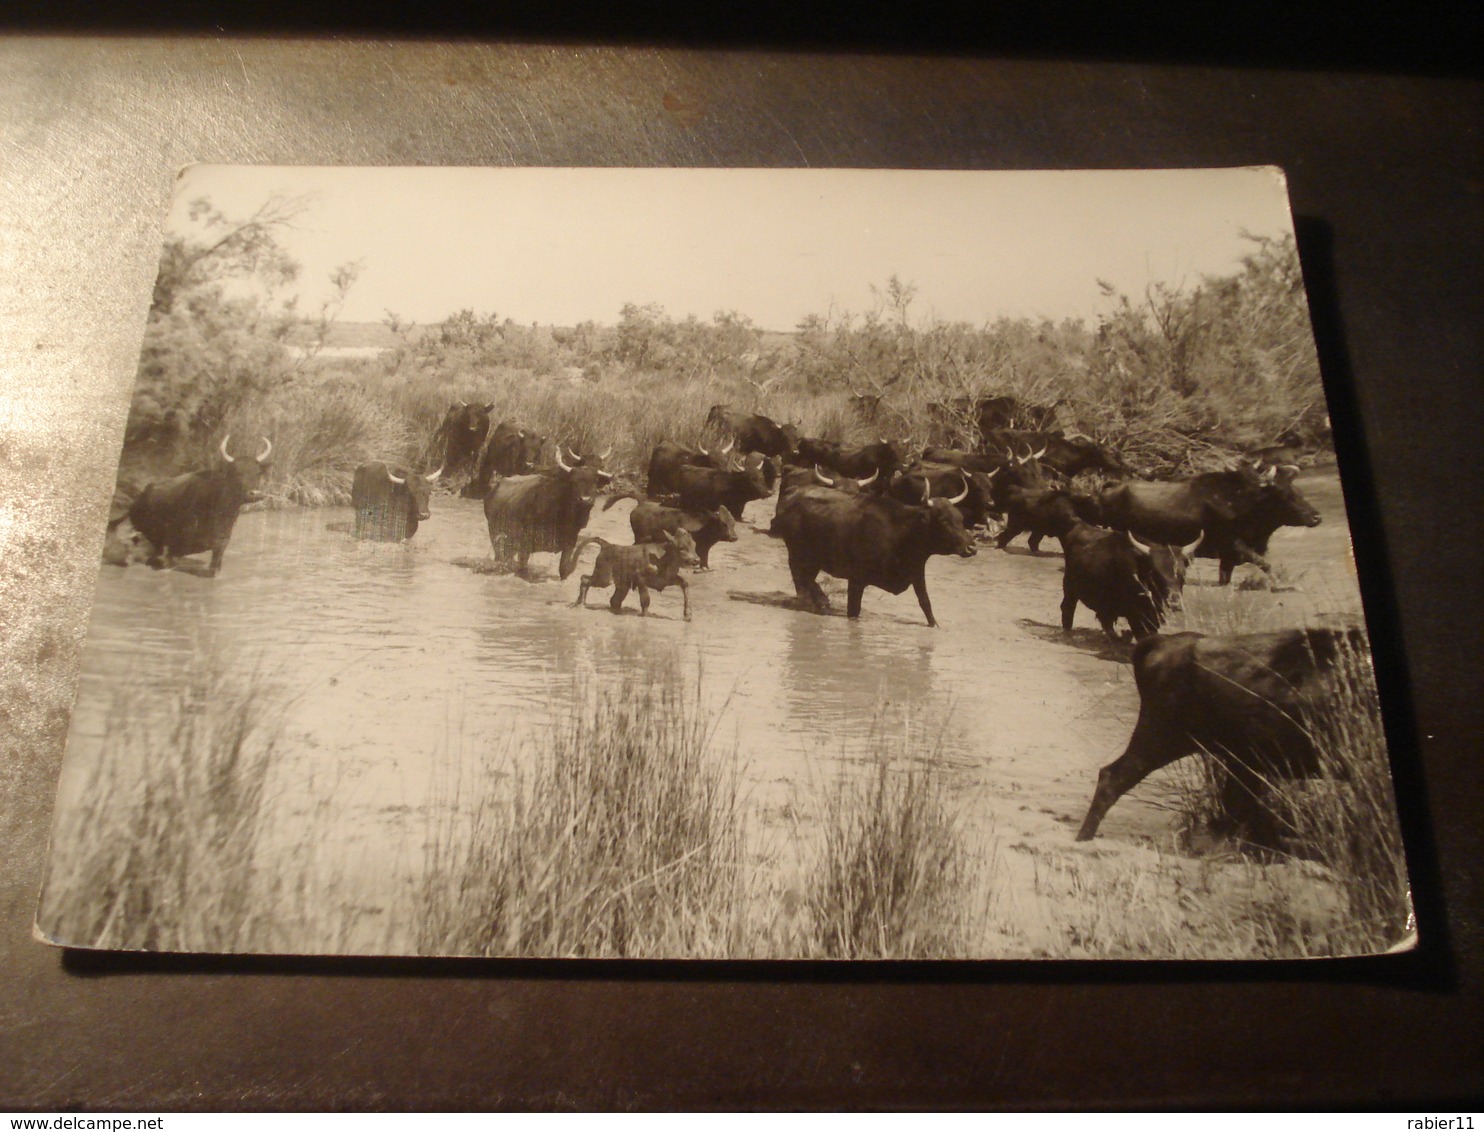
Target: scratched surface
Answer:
[[91, 133]]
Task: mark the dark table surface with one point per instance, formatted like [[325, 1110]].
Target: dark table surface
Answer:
[[1385, 174]]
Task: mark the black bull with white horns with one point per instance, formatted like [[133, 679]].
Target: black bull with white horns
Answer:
[[543, 512], [1248, 700], [390, 501], [1237, 510], [668, 456], [868, 540], [196, 512]]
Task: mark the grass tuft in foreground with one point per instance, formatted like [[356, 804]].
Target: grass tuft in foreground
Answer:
[[615, 834], [159, 849], [892, 877]]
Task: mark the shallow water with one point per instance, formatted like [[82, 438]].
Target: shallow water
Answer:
[[391, 657]]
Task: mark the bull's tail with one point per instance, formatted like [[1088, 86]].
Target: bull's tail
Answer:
[[609, 501], [583, 544]]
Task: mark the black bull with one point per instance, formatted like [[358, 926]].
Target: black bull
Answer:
[[706, 489], [1238, 511], [390, 501], [868, 540], [1248, 699], [754, 433], [464, 429], [668, 456], [1065, 453], [543, 513], [1118, 577], [196, 512], [511, 451]]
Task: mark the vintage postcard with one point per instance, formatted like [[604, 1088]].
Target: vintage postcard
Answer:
[[780, 564]]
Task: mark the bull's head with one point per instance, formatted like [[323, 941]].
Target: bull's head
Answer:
[[946, 532], [249, 475], [419, 490], [584, 479], [1160, 570], [728, 524], [685, 545], [1289, 507]]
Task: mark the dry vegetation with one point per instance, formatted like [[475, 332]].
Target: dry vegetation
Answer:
[[1175, 379], [622, 831]]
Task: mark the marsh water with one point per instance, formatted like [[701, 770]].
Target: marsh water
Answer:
[[386, 661]]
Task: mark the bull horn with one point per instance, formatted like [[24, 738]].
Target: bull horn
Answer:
[[961, 495], [576, 456], [1075, 436], [603, 455], [562, 463], [1270, 475], [927, 490], [728, 448], [605, 476], [822, 478], [432, 477], [1137, 545], [1037, 455], [520, 432], [991, 473], [1189, 549], [701, 448], [1291, 469], [262, 457], [393, 478], [463, 402], [225, 456], [870, 480]]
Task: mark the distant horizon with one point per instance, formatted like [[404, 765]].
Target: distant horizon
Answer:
[[559, 247]]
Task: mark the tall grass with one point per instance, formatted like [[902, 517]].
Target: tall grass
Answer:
[[160, 847], [623, 832], [613, 834], [321, 433], [892, 877]]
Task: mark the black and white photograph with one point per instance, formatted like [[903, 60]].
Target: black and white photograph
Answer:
[[728, 564]]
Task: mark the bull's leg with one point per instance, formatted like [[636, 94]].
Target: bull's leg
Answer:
[[621, 587], [568, 562], [1151, 746], [643, 596], [684, 595], [587, 581], [1143, 623], [217, 553], [919, 586], [1110, 627], [1036, 537], [805, 585], [1068, 609], [1013, 529], [855, 590], [1238, 554]]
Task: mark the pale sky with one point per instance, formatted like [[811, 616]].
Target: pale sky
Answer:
[[563, 245]]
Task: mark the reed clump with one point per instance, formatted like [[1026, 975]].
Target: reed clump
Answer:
[[158, 848]]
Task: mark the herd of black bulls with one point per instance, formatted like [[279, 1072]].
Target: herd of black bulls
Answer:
[[867, 516]]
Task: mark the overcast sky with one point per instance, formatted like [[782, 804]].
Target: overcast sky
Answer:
[[563, 245]]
